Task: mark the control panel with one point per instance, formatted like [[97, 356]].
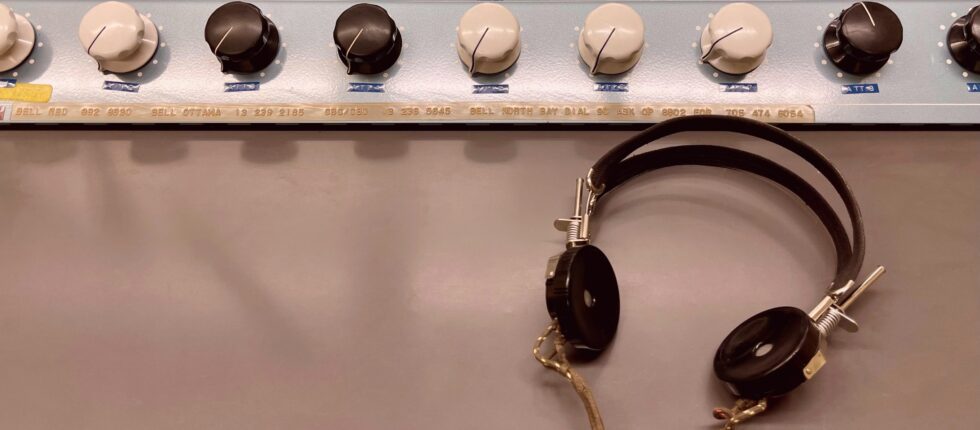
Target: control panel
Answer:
[[894, 62]]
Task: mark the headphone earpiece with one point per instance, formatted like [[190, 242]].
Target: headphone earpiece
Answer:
[[770, 354], [583, 295]]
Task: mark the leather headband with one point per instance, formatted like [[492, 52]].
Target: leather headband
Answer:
[[614, 168]]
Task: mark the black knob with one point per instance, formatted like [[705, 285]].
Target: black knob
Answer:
[[769, 354], [964, 40], [367, 39], [862, 38], [243, 39]]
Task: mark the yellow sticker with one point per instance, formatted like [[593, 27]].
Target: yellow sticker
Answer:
[[32, 93]]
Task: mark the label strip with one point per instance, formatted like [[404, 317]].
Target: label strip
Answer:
[[126, 87], [860, 89], [738, 87], [32, 93], [612, 87], [491, 89], [365, 87], [491, 112], [238, 87]]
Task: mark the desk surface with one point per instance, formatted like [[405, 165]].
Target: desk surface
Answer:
[[382, 280]]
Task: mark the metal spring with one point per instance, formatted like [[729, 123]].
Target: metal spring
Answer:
[[829, 321], [573, 230]]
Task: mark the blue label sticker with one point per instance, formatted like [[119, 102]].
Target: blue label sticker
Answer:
[[612, 87], [973, 87], [365, 87], [238, 87], [126, 87], [738, 87], [859, 89], [491, 89], [8, 83]]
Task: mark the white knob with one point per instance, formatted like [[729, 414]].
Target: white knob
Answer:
[[8, 29], [736, 39], [611, 41], [118, 37], [16, 38], [489, 39]]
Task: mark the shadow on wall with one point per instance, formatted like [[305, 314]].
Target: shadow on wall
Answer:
[[379, 149], [45, 152], [273, 325], [263, 151], [152, 150], [488, 148], [260, 149]]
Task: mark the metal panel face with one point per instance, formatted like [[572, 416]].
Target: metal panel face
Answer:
[[549, 83]]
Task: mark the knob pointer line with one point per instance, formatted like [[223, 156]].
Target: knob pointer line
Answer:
[[869, 14], [347, 54], [90, 45], [473, 59], [96, 39], [712, 47], [598, 56], [218, 46]]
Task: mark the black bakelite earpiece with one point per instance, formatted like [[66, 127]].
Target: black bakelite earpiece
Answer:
[[583, 295], [770, 354]]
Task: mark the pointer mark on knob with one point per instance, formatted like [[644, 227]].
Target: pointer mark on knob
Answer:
[[347, 54], [90, 45], [598, 56], [712, 47], [473, 60], [218, 46], [869, 14]]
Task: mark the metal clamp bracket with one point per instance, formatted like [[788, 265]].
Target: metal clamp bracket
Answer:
[[577, 227], [830, 312]]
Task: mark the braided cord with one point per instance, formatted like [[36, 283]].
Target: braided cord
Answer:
[[558, 362]]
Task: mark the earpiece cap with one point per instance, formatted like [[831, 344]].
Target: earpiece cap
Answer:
[[582, 293], [769, 354]]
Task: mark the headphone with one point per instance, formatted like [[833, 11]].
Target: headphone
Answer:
[[769, 354]]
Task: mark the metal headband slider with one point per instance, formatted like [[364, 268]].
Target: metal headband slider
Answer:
[[830, 312]]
